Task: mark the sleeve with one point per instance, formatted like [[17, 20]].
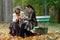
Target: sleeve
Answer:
[[31, 14], [14, 17]]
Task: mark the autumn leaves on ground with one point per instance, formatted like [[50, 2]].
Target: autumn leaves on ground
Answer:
[[51, 35]]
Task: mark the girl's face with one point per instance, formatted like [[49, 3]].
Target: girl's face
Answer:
[[17, 11]]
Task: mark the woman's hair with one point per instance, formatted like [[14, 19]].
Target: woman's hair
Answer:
[[29, 6]]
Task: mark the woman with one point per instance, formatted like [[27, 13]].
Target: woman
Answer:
[[26, 27], [18, 17], [31, 15]]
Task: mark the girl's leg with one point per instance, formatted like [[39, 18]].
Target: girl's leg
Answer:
[[12, 31], [22, 30], [17, 29]]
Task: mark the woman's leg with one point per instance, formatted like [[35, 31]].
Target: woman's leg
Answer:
[[25, 31], [28, 33]]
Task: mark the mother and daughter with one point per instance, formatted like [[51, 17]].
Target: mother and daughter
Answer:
[[19, 27]]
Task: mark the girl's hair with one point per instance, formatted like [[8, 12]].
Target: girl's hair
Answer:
[[29, 6], [17, 9]]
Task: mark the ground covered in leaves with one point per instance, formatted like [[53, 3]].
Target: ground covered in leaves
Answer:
[[52, 34]]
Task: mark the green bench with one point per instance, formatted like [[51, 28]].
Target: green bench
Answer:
[[42, 19]]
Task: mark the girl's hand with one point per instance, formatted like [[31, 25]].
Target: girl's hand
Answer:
[[17, 19], [21, 18]]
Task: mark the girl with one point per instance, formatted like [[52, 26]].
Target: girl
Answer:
[[17, 20]]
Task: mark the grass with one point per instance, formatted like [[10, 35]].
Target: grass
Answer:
[[55, 25]]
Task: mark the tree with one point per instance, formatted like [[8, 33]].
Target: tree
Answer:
[[56, 4], [42, 6]]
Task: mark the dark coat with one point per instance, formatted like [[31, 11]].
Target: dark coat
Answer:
[[31, 20], [32, 17]]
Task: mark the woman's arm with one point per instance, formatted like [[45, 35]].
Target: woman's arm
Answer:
[[30, 17]]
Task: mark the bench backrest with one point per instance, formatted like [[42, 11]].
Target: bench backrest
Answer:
[[43, 18]]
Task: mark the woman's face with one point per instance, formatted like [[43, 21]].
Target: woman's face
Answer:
[[17, 11], [27, 8]]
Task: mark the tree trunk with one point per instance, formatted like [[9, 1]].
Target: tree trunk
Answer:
[[8, 10], [46, 11], [58, 15], [1, 10]]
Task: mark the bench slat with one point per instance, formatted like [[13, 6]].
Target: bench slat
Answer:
[[42, 16], [42, 28]]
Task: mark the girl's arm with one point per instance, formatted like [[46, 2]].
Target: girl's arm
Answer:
[[14, 17]]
